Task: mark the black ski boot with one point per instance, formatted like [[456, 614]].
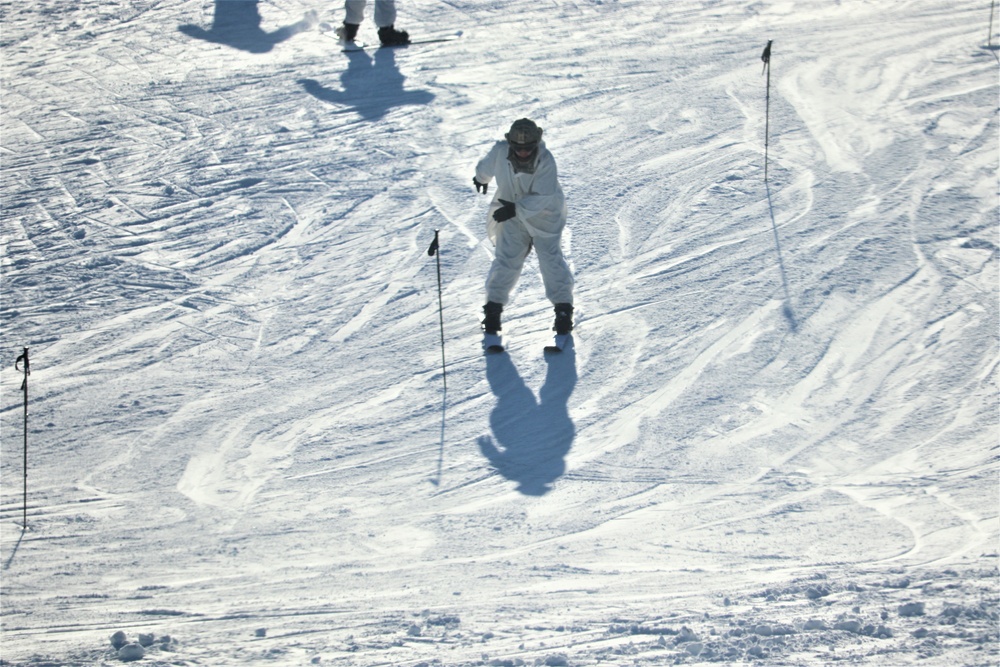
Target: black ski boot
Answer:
[[491, 324], [348, 31], [389, 36], [564, 318]]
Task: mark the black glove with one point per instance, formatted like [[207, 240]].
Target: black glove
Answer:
[[480, 187], [505, 212]]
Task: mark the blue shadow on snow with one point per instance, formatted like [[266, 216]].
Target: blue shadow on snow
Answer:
[[786, 308], [236, 23], [369, 86], [530, 438]]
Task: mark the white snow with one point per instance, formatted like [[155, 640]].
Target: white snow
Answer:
[[773, 441]]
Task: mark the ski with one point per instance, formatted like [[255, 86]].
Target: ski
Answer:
[[348, 47], [431, 39], [558, 344], [492, 343], [363, 46]]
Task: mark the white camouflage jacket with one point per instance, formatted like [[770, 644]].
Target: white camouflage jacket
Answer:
[[540, 203]]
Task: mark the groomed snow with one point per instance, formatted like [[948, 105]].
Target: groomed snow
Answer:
[[773, 441]]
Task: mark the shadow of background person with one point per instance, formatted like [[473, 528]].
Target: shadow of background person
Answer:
[[237, 24], [530, 438], [369, 86]]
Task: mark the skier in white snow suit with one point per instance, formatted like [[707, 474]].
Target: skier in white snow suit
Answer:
[[385, 17], [528, 210]]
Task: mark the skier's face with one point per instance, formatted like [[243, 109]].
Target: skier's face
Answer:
[[523, 151]]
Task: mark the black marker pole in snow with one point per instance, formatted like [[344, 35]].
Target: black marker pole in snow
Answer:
[[787, 310], [766, 57], [435, 251], [24, 389], [989, 39]]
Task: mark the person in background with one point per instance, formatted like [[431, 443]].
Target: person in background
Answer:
[[385, 18]]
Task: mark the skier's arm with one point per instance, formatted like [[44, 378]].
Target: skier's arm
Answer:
[[486, 169], [544, 204]]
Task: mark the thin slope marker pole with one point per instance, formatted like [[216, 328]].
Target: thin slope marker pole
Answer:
[[989, 38], [435, 251], [787, 308], [24, 388], [766, 57]]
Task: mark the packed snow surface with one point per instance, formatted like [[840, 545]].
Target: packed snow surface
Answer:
[[773, 439]]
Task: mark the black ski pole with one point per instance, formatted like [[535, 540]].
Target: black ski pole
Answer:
[[989, 40], [24, 388], [435, 251], [766, 57]]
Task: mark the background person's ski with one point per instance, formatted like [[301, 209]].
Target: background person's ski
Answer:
[[359, 45], [430, 39]]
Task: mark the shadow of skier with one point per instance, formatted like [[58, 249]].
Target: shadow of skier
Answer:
[[236, 23], [370, 86], [530, 438]]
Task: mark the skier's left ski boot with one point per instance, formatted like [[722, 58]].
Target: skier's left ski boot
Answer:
[[389, 36], [347, 32], [564, 319], [491, 324]]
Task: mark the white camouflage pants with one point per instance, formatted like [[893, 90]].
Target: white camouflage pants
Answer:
[[513, 244], [385, 12]]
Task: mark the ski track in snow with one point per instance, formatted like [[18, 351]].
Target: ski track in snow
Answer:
[[773, 439]]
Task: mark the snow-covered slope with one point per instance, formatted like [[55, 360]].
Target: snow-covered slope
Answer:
[[774, 439]]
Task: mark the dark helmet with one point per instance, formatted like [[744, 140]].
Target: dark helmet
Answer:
[[523, 139], [524, 131]]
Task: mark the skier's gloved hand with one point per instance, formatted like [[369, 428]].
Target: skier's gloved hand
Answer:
[[505, 212], [480, 187]]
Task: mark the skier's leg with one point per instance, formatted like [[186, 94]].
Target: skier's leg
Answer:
[[355, 11], [512, 248], [556, 276], [385, 13], [354, 14], [385, 17]]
